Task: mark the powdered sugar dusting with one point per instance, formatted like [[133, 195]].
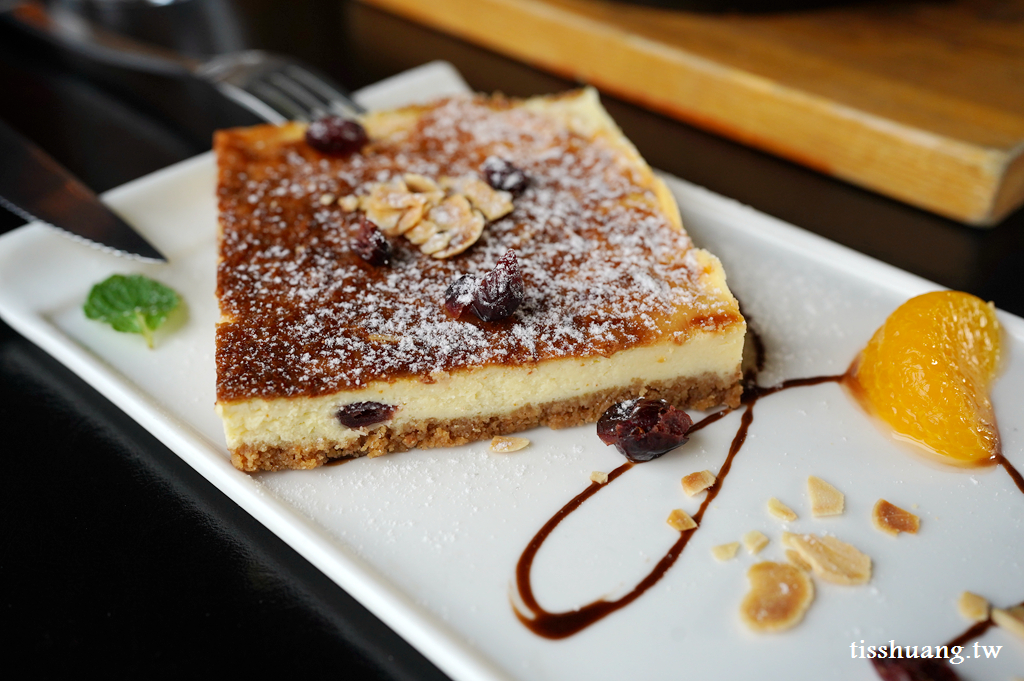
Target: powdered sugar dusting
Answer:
[[603, 269]]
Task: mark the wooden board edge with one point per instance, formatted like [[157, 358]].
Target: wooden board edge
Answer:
[[953, 178], [1010, 195]]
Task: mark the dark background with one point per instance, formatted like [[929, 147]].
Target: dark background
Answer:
[[114, 554]]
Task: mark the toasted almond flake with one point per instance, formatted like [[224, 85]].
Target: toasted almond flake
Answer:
[[754, 541], [794, 558], [780, 510], [778, 598], [1012, 620], [412, 216], [600, 477], [825, 499], [492, 203], [725, 551], [893, 519], [386, 203], [973, 607], [436, 243], [418, 208], [697, 482], [503, 444], [420, 183], [831, 559], [422, 232], [457, 219], [680, 520]]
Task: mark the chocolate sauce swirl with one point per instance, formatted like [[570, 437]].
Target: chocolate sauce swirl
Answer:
[[558, 625]]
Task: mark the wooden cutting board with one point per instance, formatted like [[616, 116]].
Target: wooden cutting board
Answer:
[[922, 101]]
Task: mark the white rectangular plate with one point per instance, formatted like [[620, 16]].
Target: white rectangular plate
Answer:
[[428, 540]]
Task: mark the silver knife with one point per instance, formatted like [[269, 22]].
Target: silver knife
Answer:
[[34, 186]]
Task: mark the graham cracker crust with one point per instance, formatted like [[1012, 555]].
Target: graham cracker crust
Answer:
[[700, 393]]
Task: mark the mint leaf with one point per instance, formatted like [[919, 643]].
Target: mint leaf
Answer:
[[131, 304]]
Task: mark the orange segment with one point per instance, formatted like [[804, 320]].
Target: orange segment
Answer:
[[927, 372]]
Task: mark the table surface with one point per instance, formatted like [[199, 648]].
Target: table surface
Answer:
[[115, 554]]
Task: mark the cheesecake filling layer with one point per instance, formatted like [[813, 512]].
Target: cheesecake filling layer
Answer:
[[311, 423]]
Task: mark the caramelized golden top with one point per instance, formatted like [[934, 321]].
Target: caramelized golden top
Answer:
[[604, 267]]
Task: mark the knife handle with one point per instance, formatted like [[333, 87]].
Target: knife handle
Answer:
[[73, 32]]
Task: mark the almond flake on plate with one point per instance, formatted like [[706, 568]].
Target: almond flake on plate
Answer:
[[795, 558], [831, 559], [680, 520], [694, 483], [973, 607], [1011, 620], [503, 444], [780, 510], [892, 519], [778, 598], [724, 552], [825, 499], [754, 541]]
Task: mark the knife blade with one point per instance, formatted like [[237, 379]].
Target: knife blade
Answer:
[[34, 186]]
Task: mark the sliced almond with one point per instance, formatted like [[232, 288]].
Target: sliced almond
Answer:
[[754, 541], [458, 222], [422, 232], [695, 483], [437, 243], [492, 203], [386, 203], [503, 444], [825, 499], [973, 607], [416, 207], [831, 559], [680, 520], [413, 215], [1012, 620], [725, 551], [780, 510], [893, 519], [421, 184], [778, 598], [795, 558], [600, 477]]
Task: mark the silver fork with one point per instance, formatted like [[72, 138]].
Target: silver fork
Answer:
[[274, 87]]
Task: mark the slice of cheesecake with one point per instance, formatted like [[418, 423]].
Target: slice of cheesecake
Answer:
[[321, 354]]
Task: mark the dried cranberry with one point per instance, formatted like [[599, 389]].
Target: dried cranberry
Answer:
[[643, 429], [336, 135], [370, 244], [904, 669], [501, 174], [500, 293], [361, 414], [459, 295]]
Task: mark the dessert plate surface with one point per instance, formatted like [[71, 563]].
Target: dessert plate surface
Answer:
[[429, 539]]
